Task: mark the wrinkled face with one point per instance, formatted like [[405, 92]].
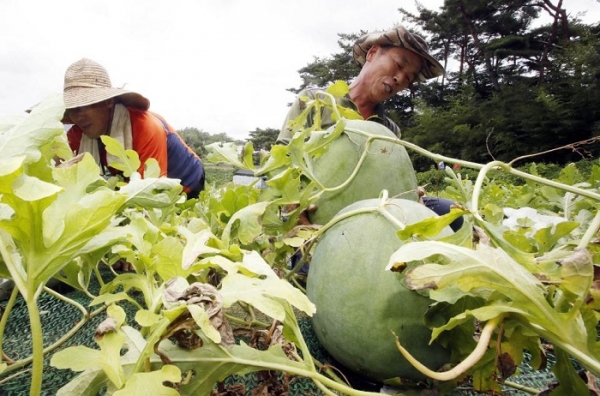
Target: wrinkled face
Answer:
[[94, 120], [389, 70]]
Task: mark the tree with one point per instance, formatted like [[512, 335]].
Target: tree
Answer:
[[197, 139], [263, 139], [324, 71]]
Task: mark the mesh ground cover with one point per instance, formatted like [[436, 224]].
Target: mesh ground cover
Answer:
[[59, 317]]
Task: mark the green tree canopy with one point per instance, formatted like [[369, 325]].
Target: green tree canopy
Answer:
[[263, 139]]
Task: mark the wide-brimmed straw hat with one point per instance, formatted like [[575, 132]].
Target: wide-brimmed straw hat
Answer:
[[398, 36], [87, 82]]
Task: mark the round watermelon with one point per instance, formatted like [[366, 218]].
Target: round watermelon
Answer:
[[359, 303], [387, 166]]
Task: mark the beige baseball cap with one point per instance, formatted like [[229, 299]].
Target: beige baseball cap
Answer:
[[399, 36]]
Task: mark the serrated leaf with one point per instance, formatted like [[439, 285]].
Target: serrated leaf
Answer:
[[224, 152], [266, 295], [339, 88], [507, 286], [31, 189], [245, 225], [127, 161], [151, 384], [27, 135], [80, 358], [570, 383], [197, 245], [150, 192], [213, 363]]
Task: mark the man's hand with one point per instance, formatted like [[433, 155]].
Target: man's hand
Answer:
[[123, 265], [421, 192], [303, 217]]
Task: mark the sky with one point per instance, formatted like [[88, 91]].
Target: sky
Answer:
[[215, 65]]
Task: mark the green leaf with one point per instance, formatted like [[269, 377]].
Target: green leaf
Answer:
[[32, 189], [339, 88], [569, 381], [247, 155], [577, 272], [80, 358], [151, 193], [507, 286], [127, 161], [197, 245], [245, 225], [151, 169], [151, 384], [431, 226], [213, 363], [29, 134], [264, 294], [547, 237], [93, 380], [225, 152], [278, 159]]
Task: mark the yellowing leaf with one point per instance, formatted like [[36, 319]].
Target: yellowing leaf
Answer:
[[151, 168], [267, 295], [127, 161], [203, 321], [151, 384], [146, 318], [249, 226], [32, 189]]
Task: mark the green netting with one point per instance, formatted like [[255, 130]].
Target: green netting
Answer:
[[59, 317]]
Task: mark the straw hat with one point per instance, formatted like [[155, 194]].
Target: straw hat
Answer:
[[87, 82], [398, 37]]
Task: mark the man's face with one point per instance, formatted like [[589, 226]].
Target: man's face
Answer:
[[94, 120], [389, 70]]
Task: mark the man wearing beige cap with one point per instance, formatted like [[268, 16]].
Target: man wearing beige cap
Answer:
[[389, 62], [96, 108]]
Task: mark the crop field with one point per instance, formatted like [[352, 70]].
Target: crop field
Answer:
[[218, 174]]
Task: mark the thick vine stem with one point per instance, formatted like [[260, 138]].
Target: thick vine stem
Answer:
[[333, 102], [590, 233], [494, 164], [462, 367], [37, 341], [6, 314]]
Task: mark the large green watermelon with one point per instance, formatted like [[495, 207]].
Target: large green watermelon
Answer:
[[386, 167], [359, 304]]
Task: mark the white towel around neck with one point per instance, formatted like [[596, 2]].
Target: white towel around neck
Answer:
[[120, 129]]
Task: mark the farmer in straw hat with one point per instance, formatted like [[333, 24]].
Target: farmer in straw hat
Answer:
[[96, 108], [389, 62]]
